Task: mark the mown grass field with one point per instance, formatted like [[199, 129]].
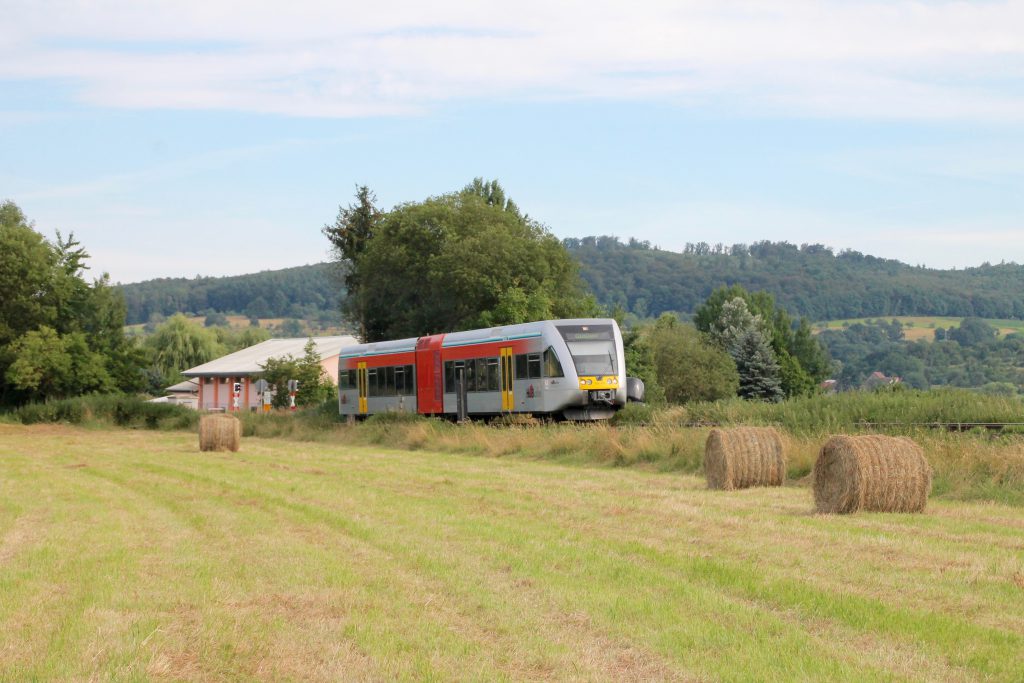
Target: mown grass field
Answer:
[[129, 555], [917, 327]]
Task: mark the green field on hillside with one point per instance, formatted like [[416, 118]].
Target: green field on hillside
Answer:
[[922, 327], [129, 555]]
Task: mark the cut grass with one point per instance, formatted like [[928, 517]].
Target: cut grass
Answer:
[[130, 555]]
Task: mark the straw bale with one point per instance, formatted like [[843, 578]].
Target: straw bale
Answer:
[[872, 472], [743, 457], [219, 432]]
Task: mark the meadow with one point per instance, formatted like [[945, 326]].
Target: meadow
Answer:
[[129, 555], [918, 327]]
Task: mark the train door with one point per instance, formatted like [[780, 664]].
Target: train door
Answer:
[[361, 381], [508, 401]]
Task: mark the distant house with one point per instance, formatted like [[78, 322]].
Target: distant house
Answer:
[[879, 379], [216, 378], [183, 394], [829, 386]]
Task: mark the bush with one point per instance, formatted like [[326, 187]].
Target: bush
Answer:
[[122, 410], [634, 414]]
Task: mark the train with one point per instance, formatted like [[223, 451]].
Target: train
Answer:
[[570, 369]]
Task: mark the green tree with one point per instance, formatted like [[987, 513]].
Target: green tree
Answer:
[[803, 361], [973, 332], [290, 328], [457, 262], [48, 311], [758, 369], [688, 367], [180, 344], [349, 236], [315, 386], [640, 361]]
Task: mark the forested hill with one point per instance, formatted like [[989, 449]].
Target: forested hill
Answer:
[[300, 292], [810, 280]]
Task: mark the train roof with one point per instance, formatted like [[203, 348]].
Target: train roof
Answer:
[[382, 347], [481, 336]]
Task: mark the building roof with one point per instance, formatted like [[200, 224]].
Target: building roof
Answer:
[[188, 385], [249, 361]]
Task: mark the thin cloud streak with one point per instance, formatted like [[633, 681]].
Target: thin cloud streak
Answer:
[[878, 60]]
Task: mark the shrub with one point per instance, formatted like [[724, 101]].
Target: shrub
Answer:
[[122, 410]]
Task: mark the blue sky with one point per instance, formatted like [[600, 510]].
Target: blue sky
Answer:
[[183, 138]]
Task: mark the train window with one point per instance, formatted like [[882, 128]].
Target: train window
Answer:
[[552, 368], [533, 365], [371, 382], [352, 382], [389, 381], [492, 374], [521, 371], [410, 380], [400, 380], [481, 374], [343, 379], [470, 376], [449, 377]]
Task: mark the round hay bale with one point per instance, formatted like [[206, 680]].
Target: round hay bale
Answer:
[[743, 457], [874, 473], [219, 432]]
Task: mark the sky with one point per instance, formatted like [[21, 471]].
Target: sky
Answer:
[[214, 138]]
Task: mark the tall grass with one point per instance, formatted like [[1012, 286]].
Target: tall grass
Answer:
[[892, 410]]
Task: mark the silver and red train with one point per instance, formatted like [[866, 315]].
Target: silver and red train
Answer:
[[569, 369]]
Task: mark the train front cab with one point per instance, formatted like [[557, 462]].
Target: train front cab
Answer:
[[594, 352]]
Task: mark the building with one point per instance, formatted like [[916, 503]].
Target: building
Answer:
[[217, 377], [184, 393], [879, 379]]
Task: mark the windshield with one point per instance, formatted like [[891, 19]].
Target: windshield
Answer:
[[592, 348]]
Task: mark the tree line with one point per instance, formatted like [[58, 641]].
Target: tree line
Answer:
[[809, 280], [301, 292], [970, 355]]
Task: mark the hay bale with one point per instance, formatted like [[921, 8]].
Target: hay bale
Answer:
[[874, 473], [219, 432], [743, 457]]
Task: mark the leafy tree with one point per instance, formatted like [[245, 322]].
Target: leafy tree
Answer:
[[214, 319], [41, 364], [59, 334], [688, 367], [315, 386], [639, 359], [492, 193], [972, 332], [290, 328], [457, 262], [180, 344]]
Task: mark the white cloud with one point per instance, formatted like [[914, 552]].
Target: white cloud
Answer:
[[881, 59]]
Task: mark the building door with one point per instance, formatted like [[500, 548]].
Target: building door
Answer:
[[361, 381], [508, 401]]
